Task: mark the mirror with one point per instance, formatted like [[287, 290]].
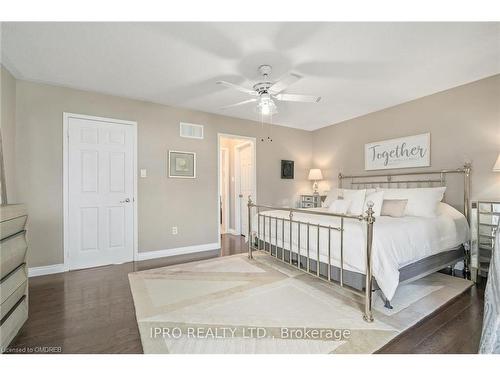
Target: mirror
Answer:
[[3, 189]]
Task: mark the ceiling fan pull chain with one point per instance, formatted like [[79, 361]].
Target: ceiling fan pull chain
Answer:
[[262, 131], [269, 138]]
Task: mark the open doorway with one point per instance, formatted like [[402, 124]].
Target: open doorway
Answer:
[[237, 180]]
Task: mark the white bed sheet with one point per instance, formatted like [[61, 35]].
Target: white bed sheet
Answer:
[[397, 242]]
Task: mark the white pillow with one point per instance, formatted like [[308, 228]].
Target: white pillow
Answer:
[[357, 198], [332, 196], [421, 201], [339, 206], [377, 197]]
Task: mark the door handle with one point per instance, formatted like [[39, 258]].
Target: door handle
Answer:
[[240, 195], [127, 200]]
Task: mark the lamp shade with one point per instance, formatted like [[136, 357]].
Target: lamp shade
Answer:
[[496, 167], [315, 174]]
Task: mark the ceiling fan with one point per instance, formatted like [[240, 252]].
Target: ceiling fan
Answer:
[[264, 92]]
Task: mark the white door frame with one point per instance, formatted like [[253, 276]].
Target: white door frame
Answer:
[[225, 218], [66, 117], [254, 198], [237, 173]]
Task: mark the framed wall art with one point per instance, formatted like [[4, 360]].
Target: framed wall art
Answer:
[[406, 152], [287, 169], [181, 164]]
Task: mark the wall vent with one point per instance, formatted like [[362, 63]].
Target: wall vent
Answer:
[[191, 130]]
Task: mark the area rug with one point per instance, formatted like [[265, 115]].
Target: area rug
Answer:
[[236, 305]]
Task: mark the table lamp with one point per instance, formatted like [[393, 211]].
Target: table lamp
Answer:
[[315, 175]]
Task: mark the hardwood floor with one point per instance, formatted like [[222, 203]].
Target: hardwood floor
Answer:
[[91, 311], [453, 329]]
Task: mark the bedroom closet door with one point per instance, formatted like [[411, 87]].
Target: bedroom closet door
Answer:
[[245, 182], [100, 196]]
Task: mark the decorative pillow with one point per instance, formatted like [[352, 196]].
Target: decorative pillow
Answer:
[[394, 207], [339, 206], [421, 201], [377, 198], [357, 198]]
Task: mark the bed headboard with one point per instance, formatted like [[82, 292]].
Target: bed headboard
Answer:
[[413, 179]]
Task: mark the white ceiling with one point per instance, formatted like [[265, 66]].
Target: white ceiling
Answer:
[[356, 68]]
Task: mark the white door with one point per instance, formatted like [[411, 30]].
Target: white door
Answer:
[[100, 192], [246, 183]]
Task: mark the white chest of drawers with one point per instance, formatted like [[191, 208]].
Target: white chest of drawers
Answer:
[[13, 272]]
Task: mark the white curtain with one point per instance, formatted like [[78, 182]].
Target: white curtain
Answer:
[[490, 338]]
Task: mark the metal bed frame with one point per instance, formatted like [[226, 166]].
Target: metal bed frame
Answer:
[[304, 263]]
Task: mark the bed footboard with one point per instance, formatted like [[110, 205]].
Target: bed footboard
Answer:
[[303, 262]]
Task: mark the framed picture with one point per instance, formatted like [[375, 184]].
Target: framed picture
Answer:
[[287, 169], [406, 152], [181, 164]]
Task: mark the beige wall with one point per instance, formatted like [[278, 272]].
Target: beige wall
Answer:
[[8, 125], [464, 123], [189, 204]]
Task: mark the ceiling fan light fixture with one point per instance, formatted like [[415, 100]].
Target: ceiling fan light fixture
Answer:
[[266, 106]]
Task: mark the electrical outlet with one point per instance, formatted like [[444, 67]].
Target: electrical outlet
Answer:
[[144, 173], [174, 230]]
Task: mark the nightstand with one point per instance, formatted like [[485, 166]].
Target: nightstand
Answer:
[[311, 201], [488, 216]]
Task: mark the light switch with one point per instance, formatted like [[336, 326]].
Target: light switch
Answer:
[[144, 173]]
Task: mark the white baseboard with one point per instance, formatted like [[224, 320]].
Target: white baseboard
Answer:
[[177, 251], [232, 231], [46, 270], [58, 268]]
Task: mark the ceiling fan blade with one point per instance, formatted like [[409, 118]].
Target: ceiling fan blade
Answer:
[[298, 98], [240, 103], [238, 87], [283, 83]]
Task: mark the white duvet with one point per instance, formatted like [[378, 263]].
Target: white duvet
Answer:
[[397, 242]]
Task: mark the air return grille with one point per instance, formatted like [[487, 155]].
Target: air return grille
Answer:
[[191, 130]]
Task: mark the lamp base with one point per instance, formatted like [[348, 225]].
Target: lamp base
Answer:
[[315, 188]]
